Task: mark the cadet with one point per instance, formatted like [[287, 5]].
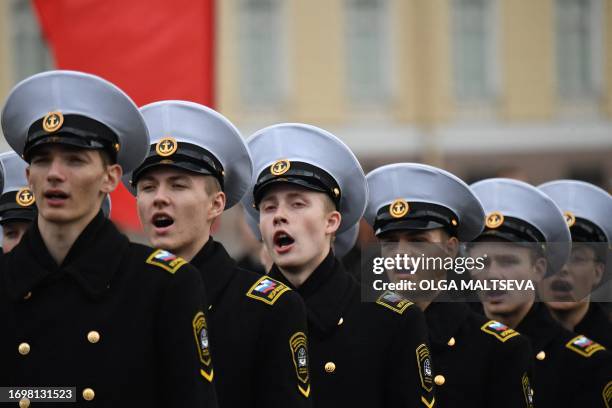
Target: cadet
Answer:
[[81, 305], [17, 203], [525, 238], [309, 186], [429, 215], [198, 166], [587, 211]]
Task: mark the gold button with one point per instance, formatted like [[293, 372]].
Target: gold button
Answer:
[[24, 403], [541, 355], [330, 367], [26, 297], [24, 349], [340, 321], [439, 379], [88, 394], [451, 342], [93, 337]]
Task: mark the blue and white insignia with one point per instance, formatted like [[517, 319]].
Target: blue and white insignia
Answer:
[[200, 332], [166, 260], [584, 346], [393, 301], [498, 330]]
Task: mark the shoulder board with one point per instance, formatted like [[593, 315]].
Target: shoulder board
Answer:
[[498, 330], [267, 290], [393, 301], [584, 346], [166, 260]]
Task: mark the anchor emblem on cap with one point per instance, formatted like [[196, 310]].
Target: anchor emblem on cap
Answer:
[[494, 220], [570, 218], [53, 121], [398, 208], [280, 167], [166, 146], [24, 197]]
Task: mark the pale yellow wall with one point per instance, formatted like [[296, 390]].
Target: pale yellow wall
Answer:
[[317, 60], [226, 75], [607, 72], [527, 59], [422, 45], [6, 71]]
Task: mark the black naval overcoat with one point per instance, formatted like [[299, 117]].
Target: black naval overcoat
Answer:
[[570, 370], [363, 354], [121, 322], [477, 362], [258, 335]]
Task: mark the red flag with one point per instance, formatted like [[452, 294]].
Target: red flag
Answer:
[[152, 49]]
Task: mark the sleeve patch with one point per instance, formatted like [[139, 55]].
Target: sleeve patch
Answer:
[[527, 391], [424, 366], [584, 346], [498, 330], [299, 352], [166, 260], [267, 290], [393, 301], [607, 395], [200, 332]]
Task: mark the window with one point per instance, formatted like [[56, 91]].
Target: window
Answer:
[[578, 48], [30, 54], [368, 55], [262, 53], [474, 58]]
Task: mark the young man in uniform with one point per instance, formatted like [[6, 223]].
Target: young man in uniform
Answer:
[[17, 203], [588, 211], [525, 239], [197, 167], [308, 186], [433, 214], [83, 307]]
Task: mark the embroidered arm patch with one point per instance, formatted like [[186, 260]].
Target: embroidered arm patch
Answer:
[[393, 301], [267, 290], [166, 260], [584, 346], [607, 395], [200, 332], [425, 369], [527, 391], [299, 352], [498, 330]]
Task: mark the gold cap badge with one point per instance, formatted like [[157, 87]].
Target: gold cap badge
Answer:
[[53, 121], [570, 218], [24, 197], [280, 167], [398, 208], [494, 220], [166, 146]]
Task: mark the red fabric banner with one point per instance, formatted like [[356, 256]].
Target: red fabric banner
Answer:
[[152, 49]]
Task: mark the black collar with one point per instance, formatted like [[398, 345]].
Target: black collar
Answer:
[[444, 319], [540, 327], [92, 260], [216, 266], [326, 292]]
